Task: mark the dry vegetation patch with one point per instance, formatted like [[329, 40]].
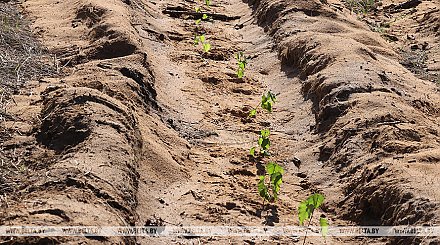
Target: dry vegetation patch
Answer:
[[21, 60]]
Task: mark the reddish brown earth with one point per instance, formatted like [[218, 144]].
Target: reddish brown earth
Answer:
[[142, 127]]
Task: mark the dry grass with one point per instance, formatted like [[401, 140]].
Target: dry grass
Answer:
[[361, 6], [20, 53], [415, 61], [21, 58]]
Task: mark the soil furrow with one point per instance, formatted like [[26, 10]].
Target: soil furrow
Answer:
[[143, 127]]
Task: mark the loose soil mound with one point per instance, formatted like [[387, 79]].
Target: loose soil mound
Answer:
[[145, 128]]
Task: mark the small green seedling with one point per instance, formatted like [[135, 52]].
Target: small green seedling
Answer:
[[269, 191], [263, 143], [267, 101], [196, 40], [198, 11], [242, 62], [206, 47], [208, 2], [204, 16], [202, 39], [306, 209]]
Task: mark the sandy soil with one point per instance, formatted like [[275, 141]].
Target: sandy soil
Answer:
[[143, 127]]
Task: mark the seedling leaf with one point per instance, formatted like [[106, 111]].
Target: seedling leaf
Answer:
[[206, 47], [196, 40], [202, 38], [324, 226], [267, 105], [265, 133], [306, 207], [241, 61], [262, 188], [275, 172], [264, 143], [273, 168], [271, 96], [267, 101], [316, 200], [276, 180], [240, 73], [252, 113], [260, 141], [263, 140], [252, 151], [302, 212]]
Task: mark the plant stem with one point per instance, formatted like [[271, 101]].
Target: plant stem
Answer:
[[259, 104], [310, 220]]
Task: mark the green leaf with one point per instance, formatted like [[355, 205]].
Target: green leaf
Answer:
[[240, 57], [267, 101], [264, 143], [263, 140], [265, 133], [206, 47], [316, 200], [241, 61], [308, 206], [271, 96], [302, 212], [208, 2], [275, 172], [198, 21], [204, 16], [262, 188], [252, 151], [240, 73], [196, 40], [263, 99], [202, 38], [267, 105], [324, 226], [252, 113], [273, 168], [197, 9], [276, 181]]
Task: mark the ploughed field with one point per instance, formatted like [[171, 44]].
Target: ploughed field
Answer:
[[131, 112]]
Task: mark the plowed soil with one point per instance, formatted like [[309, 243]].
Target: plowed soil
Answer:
[[141, 127]]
